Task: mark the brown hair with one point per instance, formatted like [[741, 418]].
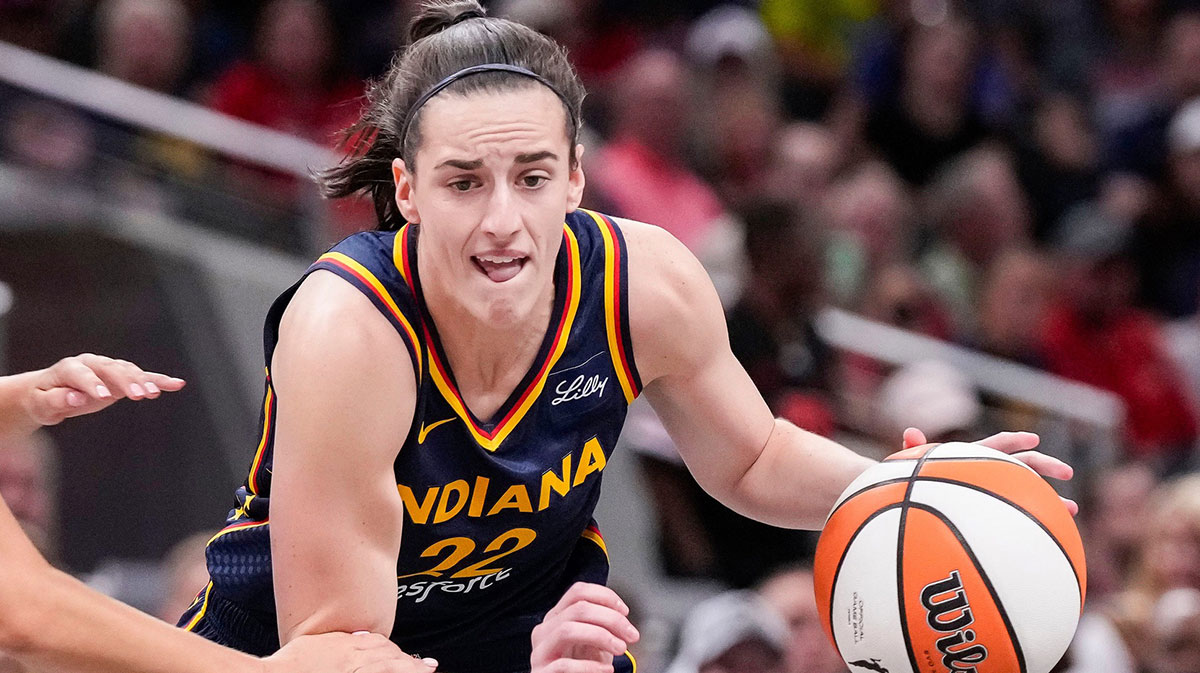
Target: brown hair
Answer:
[[444, 37]]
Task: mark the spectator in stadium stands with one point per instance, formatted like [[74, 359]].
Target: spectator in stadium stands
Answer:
[[1175, 632], [771, 333], [976, 210], [805, 159], [1137, 148], [641, 173], [930, 394], [735, 73], [814, 41], [1113, 525], [733, 632], [1167, 241], [1119, 634], [789, 592], [294, 83], [871, 219], [28, 479], [1013, 300], [1058, 160], [144, 42], [183, 569], [931, 119], [1094, 334], [1125, 70]]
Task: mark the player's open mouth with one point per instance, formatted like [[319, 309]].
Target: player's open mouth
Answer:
[[499, 268]]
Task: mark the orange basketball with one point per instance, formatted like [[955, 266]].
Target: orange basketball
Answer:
[[950, 558]]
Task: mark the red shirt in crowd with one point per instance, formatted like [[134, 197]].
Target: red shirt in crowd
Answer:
[[1125, 356], [251, 92]]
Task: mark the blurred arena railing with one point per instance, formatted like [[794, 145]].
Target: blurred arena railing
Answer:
[[6, 299], [148, 147], [1078, 423]]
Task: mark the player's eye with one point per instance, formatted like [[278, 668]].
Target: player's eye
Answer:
[[534, 181], [462, 185]]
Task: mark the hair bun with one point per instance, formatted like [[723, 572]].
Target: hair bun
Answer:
[[438, 15]]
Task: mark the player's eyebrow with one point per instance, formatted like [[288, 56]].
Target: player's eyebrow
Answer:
[[462, 164], [536, 156]]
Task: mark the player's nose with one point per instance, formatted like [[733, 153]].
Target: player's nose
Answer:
[[503, 218]]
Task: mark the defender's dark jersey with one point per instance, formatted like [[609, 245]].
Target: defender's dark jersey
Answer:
[[497, 511]]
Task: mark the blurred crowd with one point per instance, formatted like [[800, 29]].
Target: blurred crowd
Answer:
[[1018, 177]]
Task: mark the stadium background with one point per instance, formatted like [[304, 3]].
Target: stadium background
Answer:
[[964, 216]]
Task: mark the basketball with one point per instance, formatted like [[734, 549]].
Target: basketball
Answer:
[[950, 557]]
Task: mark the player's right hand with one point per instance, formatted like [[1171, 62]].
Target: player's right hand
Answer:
[[345, 653], [583, 633]]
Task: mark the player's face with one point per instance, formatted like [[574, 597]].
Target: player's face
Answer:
[[493, 183]]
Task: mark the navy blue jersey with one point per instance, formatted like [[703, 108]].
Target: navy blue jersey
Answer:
[[498, 511]]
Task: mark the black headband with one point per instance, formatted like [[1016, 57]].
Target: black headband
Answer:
[[473, 70]]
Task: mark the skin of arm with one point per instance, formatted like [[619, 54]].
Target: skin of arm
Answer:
[[51, 621], [762, 467], [346, 395]]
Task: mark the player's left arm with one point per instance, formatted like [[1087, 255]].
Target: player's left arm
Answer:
[[765, 468]]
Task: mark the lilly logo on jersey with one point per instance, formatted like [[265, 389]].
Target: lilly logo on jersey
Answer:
[[579, 388], [481, 498], [947, 610]]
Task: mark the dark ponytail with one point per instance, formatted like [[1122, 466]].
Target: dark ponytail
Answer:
[[445, 37]]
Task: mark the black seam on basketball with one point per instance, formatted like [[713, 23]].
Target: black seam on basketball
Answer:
[[1010, 503], [987, 582], [864, 489], [837, 571], [942, 459], [904, 505]]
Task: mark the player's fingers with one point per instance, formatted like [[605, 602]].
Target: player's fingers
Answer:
[[1047, 466], [1072, 506], [51, 407], [401, 665], [602, 616], [123, 377], [593, 593], [163, 382], [553, 642], [1011, 442], [913, 437], [74, 373], [575, 666]]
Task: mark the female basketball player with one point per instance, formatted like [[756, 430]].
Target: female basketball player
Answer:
[[466, 370], [51, 621]]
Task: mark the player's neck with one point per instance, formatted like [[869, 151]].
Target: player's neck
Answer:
[[486, 358]]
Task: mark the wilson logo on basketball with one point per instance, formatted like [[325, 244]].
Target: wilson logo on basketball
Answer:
[[948, 611]]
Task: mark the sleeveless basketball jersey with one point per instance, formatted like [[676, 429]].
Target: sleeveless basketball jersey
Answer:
[[497, 511]]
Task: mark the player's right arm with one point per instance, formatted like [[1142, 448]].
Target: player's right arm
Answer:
[[346, 393]]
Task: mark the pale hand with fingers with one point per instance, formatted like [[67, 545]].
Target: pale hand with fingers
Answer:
[[1019, 445], [345, 653], [84, 384], [583, 633]]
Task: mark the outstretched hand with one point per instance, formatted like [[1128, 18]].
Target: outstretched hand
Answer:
[[1019, 445], [87, 383]]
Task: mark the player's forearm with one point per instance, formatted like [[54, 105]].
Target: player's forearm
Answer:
[[796, 479], [15, 420], [51, 621]]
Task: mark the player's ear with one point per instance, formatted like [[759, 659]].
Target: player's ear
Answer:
[[575, 181], [404, 187]]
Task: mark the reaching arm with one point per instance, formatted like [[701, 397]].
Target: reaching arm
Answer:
[[51, 621], [346, 393], [765, 468], [760, 466]]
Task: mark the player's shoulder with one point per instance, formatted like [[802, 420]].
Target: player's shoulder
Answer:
[[670, 294]]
